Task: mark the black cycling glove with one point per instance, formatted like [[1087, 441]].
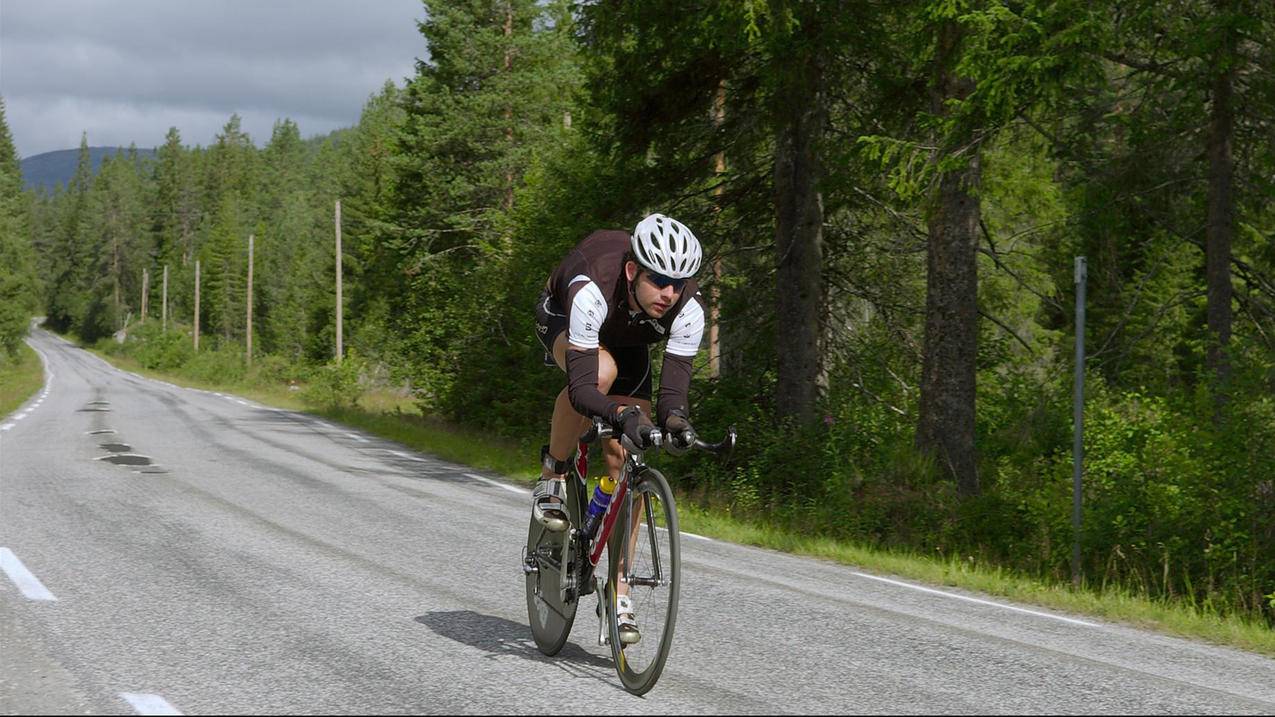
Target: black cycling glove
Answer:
[[634, 424], [681, 433]]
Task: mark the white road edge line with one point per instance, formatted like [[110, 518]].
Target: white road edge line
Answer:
[[975, 600], [26, 582], [497, 483], [147, 704]]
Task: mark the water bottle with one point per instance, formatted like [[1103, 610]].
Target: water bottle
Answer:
[[598, 506]]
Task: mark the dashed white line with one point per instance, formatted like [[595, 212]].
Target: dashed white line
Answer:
[[29, 584], [498, 484], [974, 600], [147, 704], [7, 426], [699, 537], [358, 438], [409, 457]]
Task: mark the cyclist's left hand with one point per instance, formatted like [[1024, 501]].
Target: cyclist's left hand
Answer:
[[680, 432]]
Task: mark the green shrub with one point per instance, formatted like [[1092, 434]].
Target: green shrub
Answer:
[[221, 365], [336, 385], [160, 351]]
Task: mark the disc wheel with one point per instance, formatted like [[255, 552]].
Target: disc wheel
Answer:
[[551, 609], [645, 557]]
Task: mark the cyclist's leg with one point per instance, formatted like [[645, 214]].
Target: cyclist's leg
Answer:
[[565, 429], [567, 424]]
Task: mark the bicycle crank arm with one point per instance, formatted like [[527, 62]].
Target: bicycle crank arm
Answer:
[[603, 635]]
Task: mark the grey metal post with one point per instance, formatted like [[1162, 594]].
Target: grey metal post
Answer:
[[1078, 447]]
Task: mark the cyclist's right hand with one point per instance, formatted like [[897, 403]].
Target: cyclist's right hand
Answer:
[[634, 424], [679, 433]]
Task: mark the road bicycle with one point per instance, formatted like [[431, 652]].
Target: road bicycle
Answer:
[[559, 566]]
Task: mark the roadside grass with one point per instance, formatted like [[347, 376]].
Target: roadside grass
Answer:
[[385, 414], [20, 379]]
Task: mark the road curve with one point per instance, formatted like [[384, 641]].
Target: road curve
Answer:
[[240, 559]]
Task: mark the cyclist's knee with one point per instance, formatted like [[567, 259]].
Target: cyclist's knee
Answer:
[[607, 370]]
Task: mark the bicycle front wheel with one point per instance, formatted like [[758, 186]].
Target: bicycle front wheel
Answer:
[[645, 559]]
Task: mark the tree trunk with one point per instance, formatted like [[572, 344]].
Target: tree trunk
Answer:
[[715, 293], [799, 242], [1220, 228], [946, 425], [509, 110]]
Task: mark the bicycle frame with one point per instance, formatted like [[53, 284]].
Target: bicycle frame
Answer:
[[613, 510]]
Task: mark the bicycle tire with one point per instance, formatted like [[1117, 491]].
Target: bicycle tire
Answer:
[[656, 559], [549, 612]]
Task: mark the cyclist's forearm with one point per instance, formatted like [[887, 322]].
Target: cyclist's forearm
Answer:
[[582, 385], [675, 386]]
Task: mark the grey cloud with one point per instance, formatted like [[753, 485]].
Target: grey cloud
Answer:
[[126, 71]]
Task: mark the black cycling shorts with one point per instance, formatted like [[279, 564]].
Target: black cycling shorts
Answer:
[[633, 363]]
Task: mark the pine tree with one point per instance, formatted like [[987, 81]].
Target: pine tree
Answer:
[[17, 260], [69, 260], [494, 91]]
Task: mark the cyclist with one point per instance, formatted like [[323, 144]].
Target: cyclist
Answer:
[[613, 296]]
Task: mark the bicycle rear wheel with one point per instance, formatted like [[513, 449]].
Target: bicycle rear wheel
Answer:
[[552, 599], [647, 559]]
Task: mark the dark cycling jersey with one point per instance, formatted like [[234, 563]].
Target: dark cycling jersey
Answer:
[[591, 286]]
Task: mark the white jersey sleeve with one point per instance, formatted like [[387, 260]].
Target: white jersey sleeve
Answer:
[[688, 329], [588, 311]]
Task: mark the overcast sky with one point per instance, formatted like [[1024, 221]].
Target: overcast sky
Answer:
[[124, 71]]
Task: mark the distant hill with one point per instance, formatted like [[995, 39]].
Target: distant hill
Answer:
[[50, 169]]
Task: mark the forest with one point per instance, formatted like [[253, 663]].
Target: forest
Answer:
[[891, 196]]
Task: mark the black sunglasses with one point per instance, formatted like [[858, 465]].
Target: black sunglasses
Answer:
[[662, 281]]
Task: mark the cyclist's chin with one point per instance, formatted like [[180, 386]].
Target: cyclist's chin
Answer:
[[657, 310]]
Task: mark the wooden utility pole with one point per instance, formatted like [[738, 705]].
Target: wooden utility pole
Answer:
[[146, 280], [164, 299], [340, 307], [249, 299], [196, 301]]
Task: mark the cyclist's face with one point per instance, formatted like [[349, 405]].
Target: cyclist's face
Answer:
[[655, 300]]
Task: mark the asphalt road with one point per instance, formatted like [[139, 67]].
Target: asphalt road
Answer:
[[261, 561]]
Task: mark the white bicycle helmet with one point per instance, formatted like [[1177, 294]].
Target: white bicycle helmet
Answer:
[[665, 246]]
